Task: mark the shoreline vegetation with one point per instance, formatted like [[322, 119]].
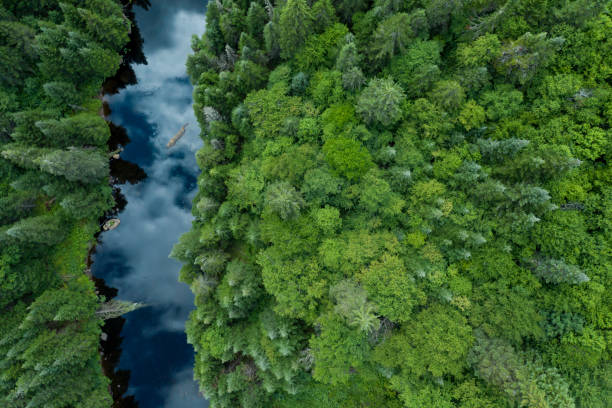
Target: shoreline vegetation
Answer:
[[402, 204], [54, 190]]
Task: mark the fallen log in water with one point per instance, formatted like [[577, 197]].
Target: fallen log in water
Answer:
[[176, 137]]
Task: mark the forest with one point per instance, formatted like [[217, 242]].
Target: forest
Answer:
[[54, 187], [403, 203]]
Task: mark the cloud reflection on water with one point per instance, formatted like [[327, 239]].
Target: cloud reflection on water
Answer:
[[134, 257]]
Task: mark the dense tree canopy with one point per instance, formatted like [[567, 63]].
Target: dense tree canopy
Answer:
[[409, 207], [54, 188]]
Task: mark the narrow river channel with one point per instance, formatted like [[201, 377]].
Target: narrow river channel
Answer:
[[133, 258]]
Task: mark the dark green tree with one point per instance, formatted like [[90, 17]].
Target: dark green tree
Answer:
[[295, 25]]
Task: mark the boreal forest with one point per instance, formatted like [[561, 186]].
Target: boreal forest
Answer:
[[403, 204], [54, 186], [400, 204]]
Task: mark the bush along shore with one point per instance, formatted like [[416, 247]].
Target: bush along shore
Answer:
[[402, 204], [54, 187]]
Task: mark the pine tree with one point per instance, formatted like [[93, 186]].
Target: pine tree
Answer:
[[556, 271], [88, 203], [16, 206], [348, 57], [23, 156], [255, 21], [323, 14], [77, 130], [75, 164], [295, 25], [499, 150], [394, 34], [62, 94], [42, 229], [381, 102]]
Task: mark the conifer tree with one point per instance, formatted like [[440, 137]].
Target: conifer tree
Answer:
[[74, 164], [295, 24], [42, 229]]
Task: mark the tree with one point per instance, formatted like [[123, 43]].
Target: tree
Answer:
[[392, 290], [272, 38], [352, 304], [417, 69], [353, 79], [256, 19], [89, 202], [556, 271], [499, 150], [347, 156], [62, 93], [295, 25], [324, 15], [496, 363], [23, 156], [298, 284], [480, 52], [347, 8], [18, 52], [394, 34], [42, 229], [438, 342], [327, 219], [102, 20], [522, 58], [15, 206], [348, 58], [75, 164], [524, 381], [381, 102], [449, 95], [284, 200], [472, 115], [337, 351], [81, 129]]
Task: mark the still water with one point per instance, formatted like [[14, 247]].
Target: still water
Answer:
[[134, 257]]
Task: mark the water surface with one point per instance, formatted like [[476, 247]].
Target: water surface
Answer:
[[134, 257]]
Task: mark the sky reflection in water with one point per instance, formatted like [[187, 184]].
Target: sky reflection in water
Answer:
[[134, 257]]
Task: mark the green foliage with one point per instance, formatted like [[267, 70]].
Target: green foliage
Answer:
[[557, 271], [44, 229], [435, 343], [381, 102], [394, 34], [296, 24], [526, 382], [418, 68], [347, 156], [53, 190], [283, 200], [411, 210], [390, 288], [337, 351]]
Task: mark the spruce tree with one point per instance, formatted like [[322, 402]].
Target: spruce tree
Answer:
[[42, 229], [295, 25]]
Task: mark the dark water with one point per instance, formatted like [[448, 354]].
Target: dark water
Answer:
[[133, 258]]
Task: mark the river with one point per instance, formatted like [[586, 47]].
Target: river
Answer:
[[133, 258]]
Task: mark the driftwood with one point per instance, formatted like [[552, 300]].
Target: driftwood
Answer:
[[115, 308], [176, 137]]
